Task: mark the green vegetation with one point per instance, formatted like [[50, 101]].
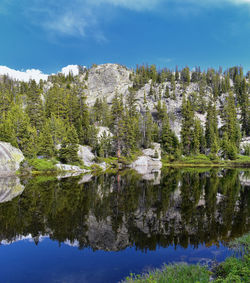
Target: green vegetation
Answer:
[[37, 118], [233, 269], [203, 160], [236, 269], [40, 165], [178, 273]]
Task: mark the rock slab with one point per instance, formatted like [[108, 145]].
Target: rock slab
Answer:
[[10, 158]]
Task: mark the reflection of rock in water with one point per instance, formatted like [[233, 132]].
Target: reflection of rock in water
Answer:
[[101, 235], [114, 212], [244, 179], [85, 179], [10, 187]]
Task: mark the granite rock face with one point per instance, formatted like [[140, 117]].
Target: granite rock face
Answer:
[[10, 158], [85, 154], [104, 81]]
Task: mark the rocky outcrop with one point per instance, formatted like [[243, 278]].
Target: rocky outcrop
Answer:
[[102, 236], [103, 132], [68, 167], [149, 162], [104, 81], [10, 187], [10, 158], [85, 154], [245, 142]]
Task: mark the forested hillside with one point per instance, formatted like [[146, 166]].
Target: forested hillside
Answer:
[[188, 112]]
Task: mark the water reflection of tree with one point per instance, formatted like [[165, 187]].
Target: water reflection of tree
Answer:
[[187, 207]]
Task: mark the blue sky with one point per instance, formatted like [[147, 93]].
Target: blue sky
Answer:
[[50, 34]]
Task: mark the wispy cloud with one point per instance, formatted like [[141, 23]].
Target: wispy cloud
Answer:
[[84, 18], [137, 5]]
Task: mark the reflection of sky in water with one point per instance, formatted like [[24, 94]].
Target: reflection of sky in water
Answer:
[[23, 261]]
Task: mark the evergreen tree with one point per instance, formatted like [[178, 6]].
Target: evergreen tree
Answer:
[[245, 109], [187, 126], [211, 128], [34, 107], [46, 143], [117, 118], [69, 147], [147, 129], [177, 75], [168, 138], [230, 119], [167, 95], [198, 143], [185, 76]]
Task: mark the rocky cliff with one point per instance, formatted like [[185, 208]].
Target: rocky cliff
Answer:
[[104, 81]]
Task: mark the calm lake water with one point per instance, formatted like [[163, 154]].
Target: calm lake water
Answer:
[[100, 229]]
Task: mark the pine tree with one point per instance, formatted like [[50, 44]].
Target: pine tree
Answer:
[[245, 109], [46, 143], [24, 132], [167, 95], [117, 114], [230, 119], [168, 139], [30, 146], [131, 132], [177, 76], [185, 76], [56, 103], [7, 131], [69, 147], [187, 126], [211, 127], [197, 137], [147, 129], [34, 107]]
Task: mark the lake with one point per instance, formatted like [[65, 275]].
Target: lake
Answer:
[[102, 228]]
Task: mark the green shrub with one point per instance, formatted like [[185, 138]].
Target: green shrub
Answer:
[[246, 150], [42, 165]]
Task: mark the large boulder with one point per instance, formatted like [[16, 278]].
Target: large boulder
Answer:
[[68, 167], [150, 161], [10, 158], [85, 154]]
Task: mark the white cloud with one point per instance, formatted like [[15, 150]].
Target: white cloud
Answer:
[[34, 74], [23, 76], [83, 18], [240, 1], [70, 68]]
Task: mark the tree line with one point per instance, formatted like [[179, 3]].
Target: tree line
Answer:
[[50, 119]]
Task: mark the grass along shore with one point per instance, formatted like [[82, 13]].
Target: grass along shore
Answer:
[[203, 160], [40, 166], [234, 269]]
